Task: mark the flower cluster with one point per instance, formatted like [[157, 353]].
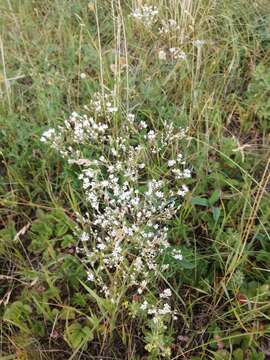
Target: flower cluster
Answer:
[[169, 27], [129, 200], [147, 14], [173, 53], [177, 54]]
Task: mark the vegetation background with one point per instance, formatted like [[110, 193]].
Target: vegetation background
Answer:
[[54, 55]]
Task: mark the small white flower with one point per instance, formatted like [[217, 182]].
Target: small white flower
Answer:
[[199, 43], [131, 117], [159, 194], [144, 283], [187, 173], [144, 305], [165, 267], [101, 246], [179, 158], [146, 14], [151, 135], [171, 163], [47, 135], [177, 255], [84, 236], [162, 55], [142, 125], [178, 54], [90, 276], [83, 76], [165, 310], [166, 294], [183, 191], [185, 188], [152, 311]]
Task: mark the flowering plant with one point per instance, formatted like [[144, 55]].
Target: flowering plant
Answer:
[[129, 201]]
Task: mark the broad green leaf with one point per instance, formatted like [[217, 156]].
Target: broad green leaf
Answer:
[[199, 201], [216, 213], [214, 197], [77, 335]]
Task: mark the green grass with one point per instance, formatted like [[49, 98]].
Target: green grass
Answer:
[[221, 92]]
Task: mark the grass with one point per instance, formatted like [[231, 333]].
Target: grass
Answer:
[[221, 291]]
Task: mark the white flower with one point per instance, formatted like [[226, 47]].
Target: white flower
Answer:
[[177, 254], [151, 135], [171, 163], [101, 246], [159, 194], [169, 27], [179, 158], [143, 125], [183, 191], [84, 237], [83, 76], [144, 305], [162, 55], [165, 310], [47, 135], [185, 188], [90, 276], [187, 173], [131, 117], [199, 43], [178, 54], [146, 14], [144, 283], [166, 294], [152, 311]]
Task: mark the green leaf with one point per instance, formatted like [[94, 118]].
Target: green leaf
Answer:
[[18, 313], [61, 229], [68, 240], [216, 213], [79, 299], [76, 335], [199, 201], [238, 354], [38, 328], [214, 197]]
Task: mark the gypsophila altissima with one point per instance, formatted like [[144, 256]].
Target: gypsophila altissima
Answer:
[[125, 229]]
